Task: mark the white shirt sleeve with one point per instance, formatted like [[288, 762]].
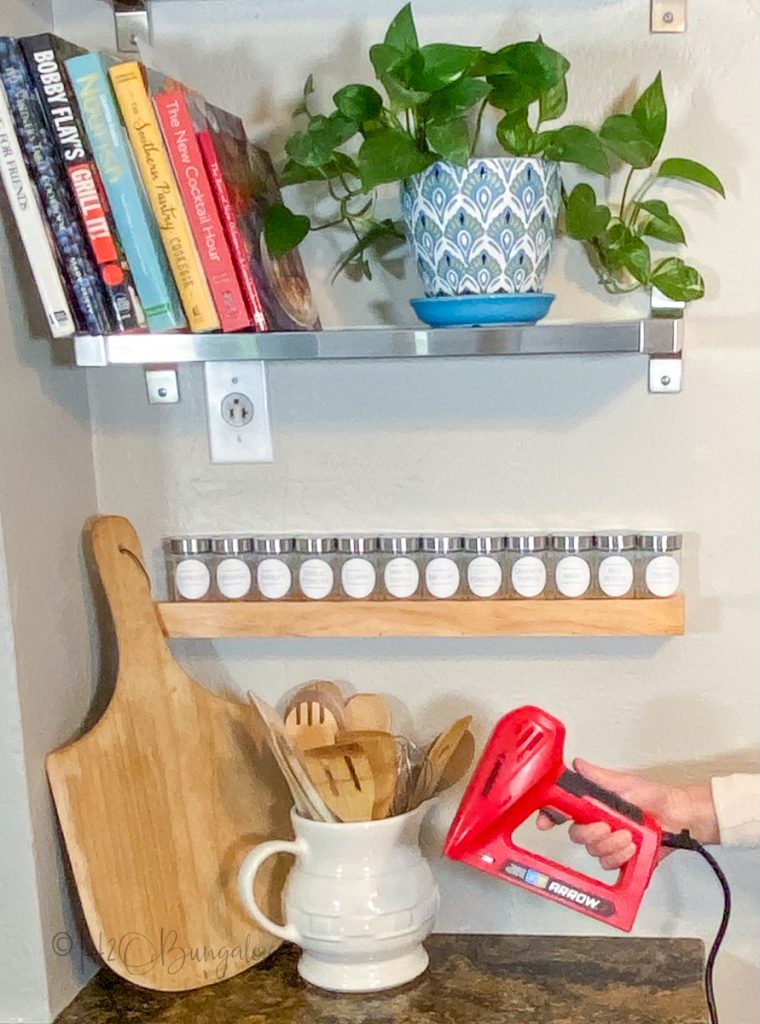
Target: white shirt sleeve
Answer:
[[737, 806]]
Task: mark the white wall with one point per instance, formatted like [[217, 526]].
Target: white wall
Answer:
[[46, 493], [514, 443]]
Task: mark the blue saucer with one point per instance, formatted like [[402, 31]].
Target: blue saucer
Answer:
[[479, 310]]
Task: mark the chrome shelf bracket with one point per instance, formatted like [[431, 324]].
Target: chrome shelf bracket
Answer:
[[131, 23], [666, 369]]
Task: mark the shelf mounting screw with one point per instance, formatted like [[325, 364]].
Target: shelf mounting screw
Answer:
[[668, 16]]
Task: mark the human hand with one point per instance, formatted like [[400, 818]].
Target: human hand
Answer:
[[673, 807]]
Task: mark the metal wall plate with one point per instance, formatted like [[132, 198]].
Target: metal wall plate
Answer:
[[665, 375], [131, 22], [668, 16], [161, 382]]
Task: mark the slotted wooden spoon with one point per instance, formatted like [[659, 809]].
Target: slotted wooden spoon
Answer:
[[380, 748], [343, 777]]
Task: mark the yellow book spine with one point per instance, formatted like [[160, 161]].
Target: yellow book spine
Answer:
[[157, 175]]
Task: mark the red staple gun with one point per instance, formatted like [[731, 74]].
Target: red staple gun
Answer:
[[522, 771]]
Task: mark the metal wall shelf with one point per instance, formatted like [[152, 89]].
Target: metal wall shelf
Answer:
[[653, 337]]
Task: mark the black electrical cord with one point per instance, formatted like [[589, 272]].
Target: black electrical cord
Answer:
[[684, 841]]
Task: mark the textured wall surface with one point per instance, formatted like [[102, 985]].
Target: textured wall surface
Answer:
[[47, 490], [513, 443]]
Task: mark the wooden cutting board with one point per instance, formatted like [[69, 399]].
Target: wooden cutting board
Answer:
[[160, 801]]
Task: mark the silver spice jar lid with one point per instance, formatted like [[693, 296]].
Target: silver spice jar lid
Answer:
[[353, 545], [441, 545], [315, 545], [397, 545], [484, 544], [616, 541], [572, 543], [190, 545], [524, 543], [661, 542], [232, 545], [273, 545]]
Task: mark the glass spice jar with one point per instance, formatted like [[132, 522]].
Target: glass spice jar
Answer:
[[526, 563], [615, 562], [357, 568], [232, 572], [316, 568], [272, 563], [399, 565], [571, 562], [442, 566], [659, 564], [484, 573], [189, 562]]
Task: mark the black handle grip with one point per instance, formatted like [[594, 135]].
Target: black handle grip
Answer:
[[576, 784]]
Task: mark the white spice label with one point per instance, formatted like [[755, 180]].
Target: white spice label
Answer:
[[233, 578], [357, 575], [192, 579], [273, 578], [529, 576], [484, 576], [662, 576], [316, 578], [615, 576], [572, 576], [402, 577], [442, 577]]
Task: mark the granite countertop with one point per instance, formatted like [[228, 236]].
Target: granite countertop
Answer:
[[482, 979]]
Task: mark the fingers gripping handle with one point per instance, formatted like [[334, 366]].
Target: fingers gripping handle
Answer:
[[247, 877]]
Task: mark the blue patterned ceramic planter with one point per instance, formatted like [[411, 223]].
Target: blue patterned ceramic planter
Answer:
[[485, 228]]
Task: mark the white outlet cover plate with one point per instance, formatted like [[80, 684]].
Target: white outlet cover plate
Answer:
[[229, 444]]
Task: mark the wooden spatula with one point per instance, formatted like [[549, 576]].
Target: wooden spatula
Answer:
[[343, 777], [367, 711], [380, 748], [438, 755], [162, 798], [458, 764]]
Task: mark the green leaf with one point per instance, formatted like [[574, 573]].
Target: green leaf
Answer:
[[540, 142], [295, 174], [303, 106], [393, 69], [522, 73], [450, 140], [314, 146], [359, 103], [678, 281], [383, 234], [660, 223], [651, 114], [390, 155], [575, 144], [691, 170], [284, 230], [443, 63], [584, 219], [515, 134], [402, 33], [623, 135], [456, 98], [624, 250], [552, 103]]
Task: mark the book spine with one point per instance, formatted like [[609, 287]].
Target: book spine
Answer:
[[32, 227], [91, 313], [205, 224], [234, 237], [163, 194], [129, 204], [60, 107]]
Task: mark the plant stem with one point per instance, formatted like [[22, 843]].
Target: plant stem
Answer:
[[625, 193], [478, 120], [327, 224], [639, 195]]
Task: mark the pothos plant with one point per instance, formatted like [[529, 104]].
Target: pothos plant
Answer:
[[435, 98]]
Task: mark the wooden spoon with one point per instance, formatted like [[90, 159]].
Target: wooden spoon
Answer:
[[438, 755], [458, 764], [380, 748], [314, 714], [343, 777], [367, 711]]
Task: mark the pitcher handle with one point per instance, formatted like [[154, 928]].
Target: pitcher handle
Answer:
[[247, 876]]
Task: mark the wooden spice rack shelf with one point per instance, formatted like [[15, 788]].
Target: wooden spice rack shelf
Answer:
[[654, 617]]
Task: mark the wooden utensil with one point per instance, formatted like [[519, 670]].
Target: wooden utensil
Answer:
[[438, 755], [367, 711], [161, 799], [380, 748], [343, 777], [314, 714], [307, 800], [458, 764]]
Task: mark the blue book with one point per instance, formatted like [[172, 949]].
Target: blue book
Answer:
[[131, 210]]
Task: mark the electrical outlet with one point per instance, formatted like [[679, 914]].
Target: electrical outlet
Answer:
[[238, 412]]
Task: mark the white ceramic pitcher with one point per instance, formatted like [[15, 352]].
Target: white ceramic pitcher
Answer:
[[359, 900]]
